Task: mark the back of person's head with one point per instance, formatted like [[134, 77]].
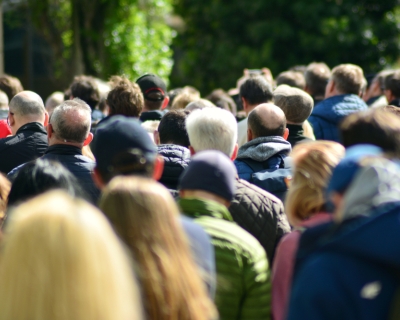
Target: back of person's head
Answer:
[[37, 177], [222, 100], [199, 104], [54, 100], [61, 259], [122, 147], [295, 103], [392, 83], [10, 85], [3, 100], [125, 98], [71, 121], [85, 88], [145, 215], [172, 128], [377, 127], [348, 79], [212, 128], [291, 78], [256, 90], [317, 76], [267, 120], [154, 91], [27, 104], [184, 99], [313, 165]]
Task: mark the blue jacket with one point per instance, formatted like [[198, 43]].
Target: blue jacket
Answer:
[[350, 271], [328, 114]]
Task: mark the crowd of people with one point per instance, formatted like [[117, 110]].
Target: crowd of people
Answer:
[[279, 199]]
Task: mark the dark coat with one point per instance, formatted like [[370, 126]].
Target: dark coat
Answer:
[[350, 271], [29, 143], [261, 214], [176, 159], [79, 165]]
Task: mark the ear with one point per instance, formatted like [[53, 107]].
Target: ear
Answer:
[[97, 179], [88, 139], [330, 87], [235, 152], [46, 119], [249, 134], [156, 135], [192, 151], [388, 95], [165, 103], [181, 193], [49, 130], [286, 134], [158, 168]]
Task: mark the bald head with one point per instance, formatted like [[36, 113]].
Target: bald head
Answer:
[[27, 103], [26, 107], [266, 120]]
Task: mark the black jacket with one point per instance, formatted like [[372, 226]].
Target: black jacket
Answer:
[[176, 159], [29, 143], [79, 165], [261, 214]]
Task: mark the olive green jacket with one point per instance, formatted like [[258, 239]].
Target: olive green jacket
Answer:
[[243, 279]]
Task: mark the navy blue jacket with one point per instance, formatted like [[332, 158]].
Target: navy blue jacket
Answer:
[[328, 114], [350, 271], [79, 165]]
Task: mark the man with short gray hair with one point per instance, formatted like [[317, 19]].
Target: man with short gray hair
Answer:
[[255, 210], [68, 131], [297, 106], [27, 119]]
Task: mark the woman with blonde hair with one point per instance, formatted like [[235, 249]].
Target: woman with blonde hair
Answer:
[[60, 259], [145, 215], [305, 207]]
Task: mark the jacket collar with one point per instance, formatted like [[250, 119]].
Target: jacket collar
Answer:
[[32, 126], [64, 149], [197, 208]]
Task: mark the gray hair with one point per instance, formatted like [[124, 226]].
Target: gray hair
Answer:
[[27, 103], [212, 129], [71, 120]]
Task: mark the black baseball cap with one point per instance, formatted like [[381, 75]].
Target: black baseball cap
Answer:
[[149, 83]]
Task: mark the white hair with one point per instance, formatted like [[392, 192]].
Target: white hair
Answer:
[[212, 129]]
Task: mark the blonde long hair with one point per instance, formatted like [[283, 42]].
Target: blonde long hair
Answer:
[[60, 259], [313, 164], [145, 215]]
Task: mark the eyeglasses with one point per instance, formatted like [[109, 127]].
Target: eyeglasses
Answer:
[[8, 120]]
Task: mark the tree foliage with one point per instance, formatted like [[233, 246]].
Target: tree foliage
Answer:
[[222, 37], [105, 37]]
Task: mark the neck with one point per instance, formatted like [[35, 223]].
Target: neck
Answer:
[[53, 142]]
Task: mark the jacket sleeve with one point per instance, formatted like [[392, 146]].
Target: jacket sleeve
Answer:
[[257, 304]]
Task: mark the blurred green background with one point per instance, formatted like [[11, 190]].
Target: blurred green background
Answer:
[[203, 43]]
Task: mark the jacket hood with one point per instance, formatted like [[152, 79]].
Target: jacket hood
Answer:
[[333, 109], [262, 148], [195, 208], [374, 195]]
